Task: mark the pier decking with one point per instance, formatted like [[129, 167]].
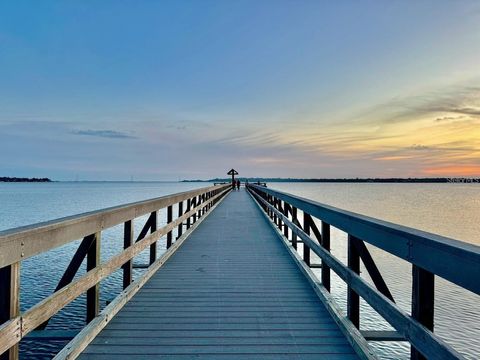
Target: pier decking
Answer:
[[231, 291], [234, 283]]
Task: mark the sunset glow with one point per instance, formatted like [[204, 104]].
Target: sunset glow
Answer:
[[318, 92]]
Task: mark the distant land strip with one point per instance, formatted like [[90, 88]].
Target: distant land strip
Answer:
[[348, 180], [22, 179]]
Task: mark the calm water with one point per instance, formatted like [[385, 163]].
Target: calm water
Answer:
[[448, 209]]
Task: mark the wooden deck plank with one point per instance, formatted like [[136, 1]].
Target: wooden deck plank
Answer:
[[221, 349], [237, 356], [230, 292]]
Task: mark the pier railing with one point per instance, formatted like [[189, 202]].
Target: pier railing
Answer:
[[19, 244], [430, 255]]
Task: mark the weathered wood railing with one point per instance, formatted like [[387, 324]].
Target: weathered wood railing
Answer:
[[19, 244], [430, 255]]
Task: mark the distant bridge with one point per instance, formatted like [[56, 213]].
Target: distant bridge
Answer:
[[231, 284]]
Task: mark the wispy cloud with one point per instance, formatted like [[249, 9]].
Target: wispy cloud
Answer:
[[448, 118], [111, 134], [445, 104]]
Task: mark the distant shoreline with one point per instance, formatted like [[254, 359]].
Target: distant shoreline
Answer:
[[268, 180], [349, 180], [22, 179]]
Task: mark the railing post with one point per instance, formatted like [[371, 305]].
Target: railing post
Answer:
[[127, 242], [294, 236], [280, 208], [285, 212], [153, 247], [423, 294], [199, 212], [10, 301], [274, 203], [180, 226], [93, 294], [326, 245], [189, 207], [265, 197], [169, 220], [194, 205], [270, 201], [306, 249], [353, 300]]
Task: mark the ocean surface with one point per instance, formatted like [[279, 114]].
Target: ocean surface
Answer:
[[451, 210]]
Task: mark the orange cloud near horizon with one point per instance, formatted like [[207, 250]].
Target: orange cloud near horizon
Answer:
[[464, 170]]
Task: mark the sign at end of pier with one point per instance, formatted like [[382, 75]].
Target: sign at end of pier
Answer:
[[233, 172]]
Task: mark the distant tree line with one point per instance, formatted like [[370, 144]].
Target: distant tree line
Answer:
[[338, 180], [21, 179]]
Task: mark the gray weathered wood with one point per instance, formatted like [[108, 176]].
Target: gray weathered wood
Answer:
[[371, 267], [382, 335], [352, 334], [180, 213], [9, 309], [153, 246], [326, 245], [73, 267], [78, 344], [353, 300], [423, 289], [128, 236], [209, 283], [23, 242], [306, 228], [93, 293], [431, 252], [417, 334], [12, 331]]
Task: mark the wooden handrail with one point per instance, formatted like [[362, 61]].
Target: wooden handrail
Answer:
[[416, 328], [23, 242], [429, 251], [42, 237]]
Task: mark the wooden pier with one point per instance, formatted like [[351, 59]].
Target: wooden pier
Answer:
[[232, 283], [230, 291]]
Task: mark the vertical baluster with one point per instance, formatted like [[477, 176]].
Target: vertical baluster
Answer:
[[153, 247], [294, 236], [10, 301], [274, 203], [285, 212], [267, 199], [270, 201], [279, 219], [199, 212], [93, 294], [189, 207], [353, 300], [306, 229], [423, 295], [194, 205], [169, 220], [326, 246], [180, 213], [127, 242]]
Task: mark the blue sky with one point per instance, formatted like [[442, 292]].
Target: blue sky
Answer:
[[163, 90]]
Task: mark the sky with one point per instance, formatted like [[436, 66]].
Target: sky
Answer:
[[169, 90]]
